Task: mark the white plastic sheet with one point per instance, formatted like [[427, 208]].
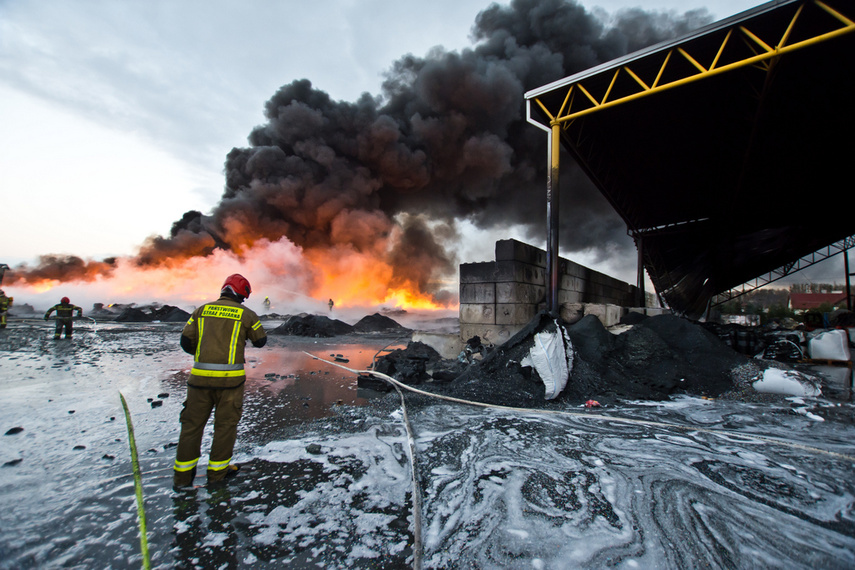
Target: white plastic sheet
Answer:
[[552, 358]]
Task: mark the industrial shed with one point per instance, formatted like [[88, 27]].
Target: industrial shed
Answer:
[[728, 152]]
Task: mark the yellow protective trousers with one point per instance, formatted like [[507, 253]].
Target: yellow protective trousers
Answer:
[[227, 406]]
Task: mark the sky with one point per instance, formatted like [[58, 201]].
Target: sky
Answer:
[[117, 116]]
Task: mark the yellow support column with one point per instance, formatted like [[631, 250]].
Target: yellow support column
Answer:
[[552, 191]]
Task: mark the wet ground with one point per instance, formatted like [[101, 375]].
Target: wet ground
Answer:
[[326, 476]]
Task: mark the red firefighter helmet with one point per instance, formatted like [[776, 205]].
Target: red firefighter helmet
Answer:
[[238, 285], [64, 300]]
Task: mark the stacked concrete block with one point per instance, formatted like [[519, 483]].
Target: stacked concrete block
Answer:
[[499, 298]]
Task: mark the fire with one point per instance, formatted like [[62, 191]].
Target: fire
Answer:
[[350, 278], [410, 300], [44, 286], [279, 270]]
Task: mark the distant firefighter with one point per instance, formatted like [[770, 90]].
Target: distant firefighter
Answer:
[[64, 312], [5, 303], [267, 303], [331, 304]]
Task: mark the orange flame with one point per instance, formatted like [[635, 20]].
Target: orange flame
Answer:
[[352, 278], [275, 269]]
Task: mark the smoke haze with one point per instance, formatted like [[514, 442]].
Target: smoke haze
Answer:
[[387, 179]]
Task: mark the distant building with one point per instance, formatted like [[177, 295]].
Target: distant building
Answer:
[[801, 302]]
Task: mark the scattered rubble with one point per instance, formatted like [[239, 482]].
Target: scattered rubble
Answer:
[[789, 341], [653, 359], [409, 365]]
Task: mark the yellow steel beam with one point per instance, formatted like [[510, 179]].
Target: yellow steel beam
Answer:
[[566, 112]]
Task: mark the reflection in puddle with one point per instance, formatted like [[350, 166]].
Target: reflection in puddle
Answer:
[[285, 386]]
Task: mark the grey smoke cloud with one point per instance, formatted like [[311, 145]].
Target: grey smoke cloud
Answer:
[[445, 140]]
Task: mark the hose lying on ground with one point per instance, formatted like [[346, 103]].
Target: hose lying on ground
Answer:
[[137, 486], [411, 452], [417, 542], [598, 417]]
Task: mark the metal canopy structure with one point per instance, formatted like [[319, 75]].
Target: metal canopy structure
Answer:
[[728, 152]]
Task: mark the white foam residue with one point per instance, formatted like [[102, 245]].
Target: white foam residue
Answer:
[[810, 415], [327, 509], [215, 539], [789, 382]]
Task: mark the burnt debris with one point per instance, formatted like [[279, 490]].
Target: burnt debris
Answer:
[[312, 326], [656, 358]]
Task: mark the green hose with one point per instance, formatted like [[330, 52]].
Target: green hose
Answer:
[[137, 486]]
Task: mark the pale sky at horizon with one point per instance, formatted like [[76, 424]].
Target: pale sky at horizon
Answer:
[[117, 117]]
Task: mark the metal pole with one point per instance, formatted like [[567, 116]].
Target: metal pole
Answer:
[[552, 222], [642, 302], [848, 280]]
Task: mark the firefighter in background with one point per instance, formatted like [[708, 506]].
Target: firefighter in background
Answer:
[[5, 303], [331, 305], [64, 317], [266, 304], [216, 336]]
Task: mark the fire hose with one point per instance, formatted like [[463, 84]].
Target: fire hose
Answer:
[[417, 541]]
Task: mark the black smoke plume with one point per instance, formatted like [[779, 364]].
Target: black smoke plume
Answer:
[[446, 140]]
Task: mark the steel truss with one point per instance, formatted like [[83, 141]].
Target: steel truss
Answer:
[[580, 100], [839, 247]]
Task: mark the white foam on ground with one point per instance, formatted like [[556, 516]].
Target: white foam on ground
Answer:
[[786, 382]]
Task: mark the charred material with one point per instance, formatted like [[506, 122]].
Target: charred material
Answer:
[[378, 323], [410, 365], [312, 326], [164, 314], [658, 357]]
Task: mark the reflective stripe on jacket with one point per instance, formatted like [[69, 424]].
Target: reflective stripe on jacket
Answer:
[[219, 330], [64, 311]]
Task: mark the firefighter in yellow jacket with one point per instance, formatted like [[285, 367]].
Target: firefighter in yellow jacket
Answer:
[[216, 335], [64, 317], [5, 303]]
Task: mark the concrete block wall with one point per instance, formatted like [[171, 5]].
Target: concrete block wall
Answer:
[[498, 298]]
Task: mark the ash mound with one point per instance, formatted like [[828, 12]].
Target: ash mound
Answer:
[[312, 326], [319, 326], [658, 357], [164, 314], [378, 323]]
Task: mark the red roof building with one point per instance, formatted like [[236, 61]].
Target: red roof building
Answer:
[[807, 301]]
